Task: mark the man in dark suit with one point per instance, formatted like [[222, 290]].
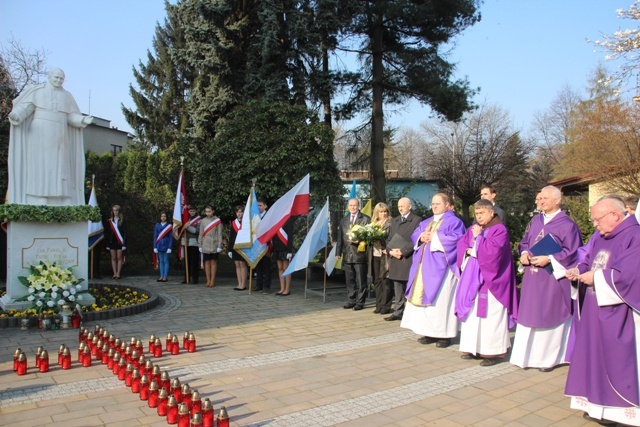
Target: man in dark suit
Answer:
[[489, 193], [400, 254], [354, 263]]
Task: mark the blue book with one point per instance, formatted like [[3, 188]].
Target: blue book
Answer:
[[546, 246]]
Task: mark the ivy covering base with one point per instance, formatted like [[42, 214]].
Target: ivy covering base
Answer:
[[33, 213]]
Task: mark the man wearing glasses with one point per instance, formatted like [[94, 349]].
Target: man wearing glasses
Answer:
[[603, 376]]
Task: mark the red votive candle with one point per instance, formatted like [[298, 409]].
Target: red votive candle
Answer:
[[86, 357], [136, 381], [175, 346], [22, 364], [16, 356], [207, 413], [66, 359], [183, 415], [163, 399], [169, 342], [223, 418], [172, 411], [185, 340], [44, 361]]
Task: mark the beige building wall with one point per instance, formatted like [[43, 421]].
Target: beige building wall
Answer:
[[100, 137]]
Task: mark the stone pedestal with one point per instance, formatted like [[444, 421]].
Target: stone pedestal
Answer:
[[28, 243]]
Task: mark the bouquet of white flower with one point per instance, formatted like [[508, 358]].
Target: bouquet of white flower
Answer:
[[51, 286], [367, 235]]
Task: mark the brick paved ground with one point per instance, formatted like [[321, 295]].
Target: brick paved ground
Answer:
[[282, 361]]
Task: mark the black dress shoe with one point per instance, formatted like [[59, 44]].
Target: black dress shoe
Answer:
[[385, 311], [469, 356], [392, 318], [239, 289], [376, 311], [443, 343], [257, 289], [348, 306], [490, 361], [358, 307], [427, 340], [546, 369], [601, 422]]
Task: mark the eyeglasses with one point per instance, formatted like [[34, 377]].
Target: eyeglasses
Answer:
[[595, 220]]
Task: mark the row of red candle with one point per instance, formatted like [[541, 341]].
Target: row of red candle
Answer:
[[172, 343], [102, 337], [140, 375], [20, 364], [165, 394], [146, 379]]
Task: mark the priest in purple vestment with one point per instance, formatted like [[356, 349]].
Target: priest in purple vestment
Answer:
[[433, 276], [486, 299], [603, 375], [545, 311]]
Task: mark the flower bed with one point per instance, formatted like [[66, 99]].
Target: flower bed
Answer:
[[112, 301]]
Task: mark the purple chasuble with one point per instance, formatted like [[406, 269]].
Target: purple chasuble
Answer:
[[544, 301], [603, 366], [435, 265], [583, 253], [491, 270]]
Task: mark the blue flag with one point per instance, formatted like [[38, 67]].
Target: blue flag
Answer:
[[96, 229], [316, 240], [246, 242], [352, 193]]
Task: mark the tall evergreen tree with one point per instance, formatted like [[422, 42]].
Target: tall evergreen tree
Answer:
[[160, 114], [399, 45]]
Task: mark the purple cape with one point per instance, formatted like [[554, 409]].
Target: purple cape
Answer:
[[546, 302], [603, 366], [435, 265], [491, 270]]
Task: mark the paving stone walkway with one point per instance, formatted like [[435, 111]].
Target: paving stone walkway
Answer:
[[281, 361]]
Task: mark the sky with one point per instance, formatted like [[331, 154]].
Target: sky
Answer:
[[521, 54]]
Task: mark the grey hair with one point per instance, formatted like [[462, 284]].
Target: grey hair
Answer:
[[616, 202], [484, 204], [556, 191]]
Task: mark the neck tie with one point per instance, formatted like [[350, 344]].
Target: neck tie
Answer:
[[353, 219], [404, 219]]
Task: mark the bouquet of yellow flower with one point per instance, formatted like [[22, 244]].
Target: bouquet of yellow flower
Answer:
[[367, 235], [51, 286]]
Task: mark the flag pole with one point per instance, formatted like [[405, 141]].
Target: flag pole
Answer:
[[183, 231], [253, 188], [324, 270], [93, 184], [306, 270]]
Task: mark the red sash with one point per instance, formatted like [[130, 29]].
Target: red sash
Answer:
[[213, 224], [237, 225], [282, 235], [166, 230], [195, 221], [116, 233]]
